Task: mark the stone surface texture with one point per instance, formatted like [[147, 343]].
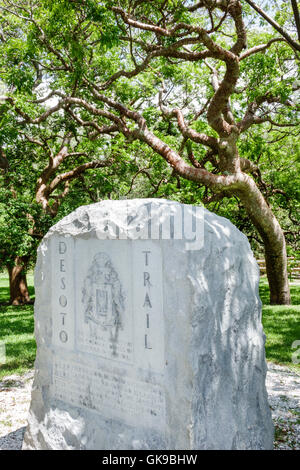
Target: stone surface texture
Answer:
[[202, 383], [283, 387]]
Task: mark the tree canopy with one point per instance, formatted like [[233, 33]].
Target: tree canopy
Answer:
[[197, 98]]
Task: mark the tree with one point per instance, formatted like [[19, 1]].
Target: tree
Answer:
[[31, 194], [105, 63], [294, 44], [62, 170]]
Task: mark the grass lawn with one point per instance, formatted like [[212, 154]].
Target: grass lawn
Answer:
[[281, 325], [16, 331]]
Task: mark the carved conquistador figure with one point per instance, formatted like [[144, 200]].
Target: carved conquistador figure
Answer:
[[102, 294]]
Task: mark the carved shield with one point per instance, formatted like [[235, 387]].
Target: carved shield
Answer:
[[102, 293], [103, 298]]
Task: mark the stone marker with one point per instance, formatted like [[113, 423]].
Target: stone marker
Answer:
[[148, 326]]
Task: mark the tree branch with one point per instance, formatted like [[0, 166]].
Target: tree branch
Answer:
[[186, 131], [296, 16], [275, 25], [69, 175], [262, 47]]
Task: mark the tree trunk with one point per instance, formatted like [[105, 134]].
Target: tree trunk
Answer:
[[276, 265], [19, 294], [274, 242]]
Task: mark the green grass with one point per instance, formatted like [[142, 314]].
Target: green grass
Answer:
[[281, 325], [16, 331]]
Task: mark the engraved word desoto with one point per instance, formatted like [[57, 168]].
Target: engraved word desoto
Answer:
[[63, 301]]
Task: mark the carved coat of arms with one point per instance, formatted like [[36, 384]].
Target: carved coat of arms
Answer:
[[102, 294]]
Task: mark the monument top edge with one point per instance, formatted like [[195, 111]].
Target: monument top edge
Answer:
[[131, 218], [126, 213], [136, 201]]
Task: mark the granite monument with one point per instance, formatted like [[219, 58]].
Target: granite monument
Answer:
[[149, 334]]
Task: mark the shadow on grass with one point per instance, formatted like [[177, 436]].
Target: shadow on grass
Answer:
[[20, 358], [16, 333], [282, 328], [4, 295], [13, 323], [281, 325]]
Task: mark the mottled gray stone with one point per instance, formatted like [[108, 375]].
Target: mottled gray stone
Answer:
[[98, 385]]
